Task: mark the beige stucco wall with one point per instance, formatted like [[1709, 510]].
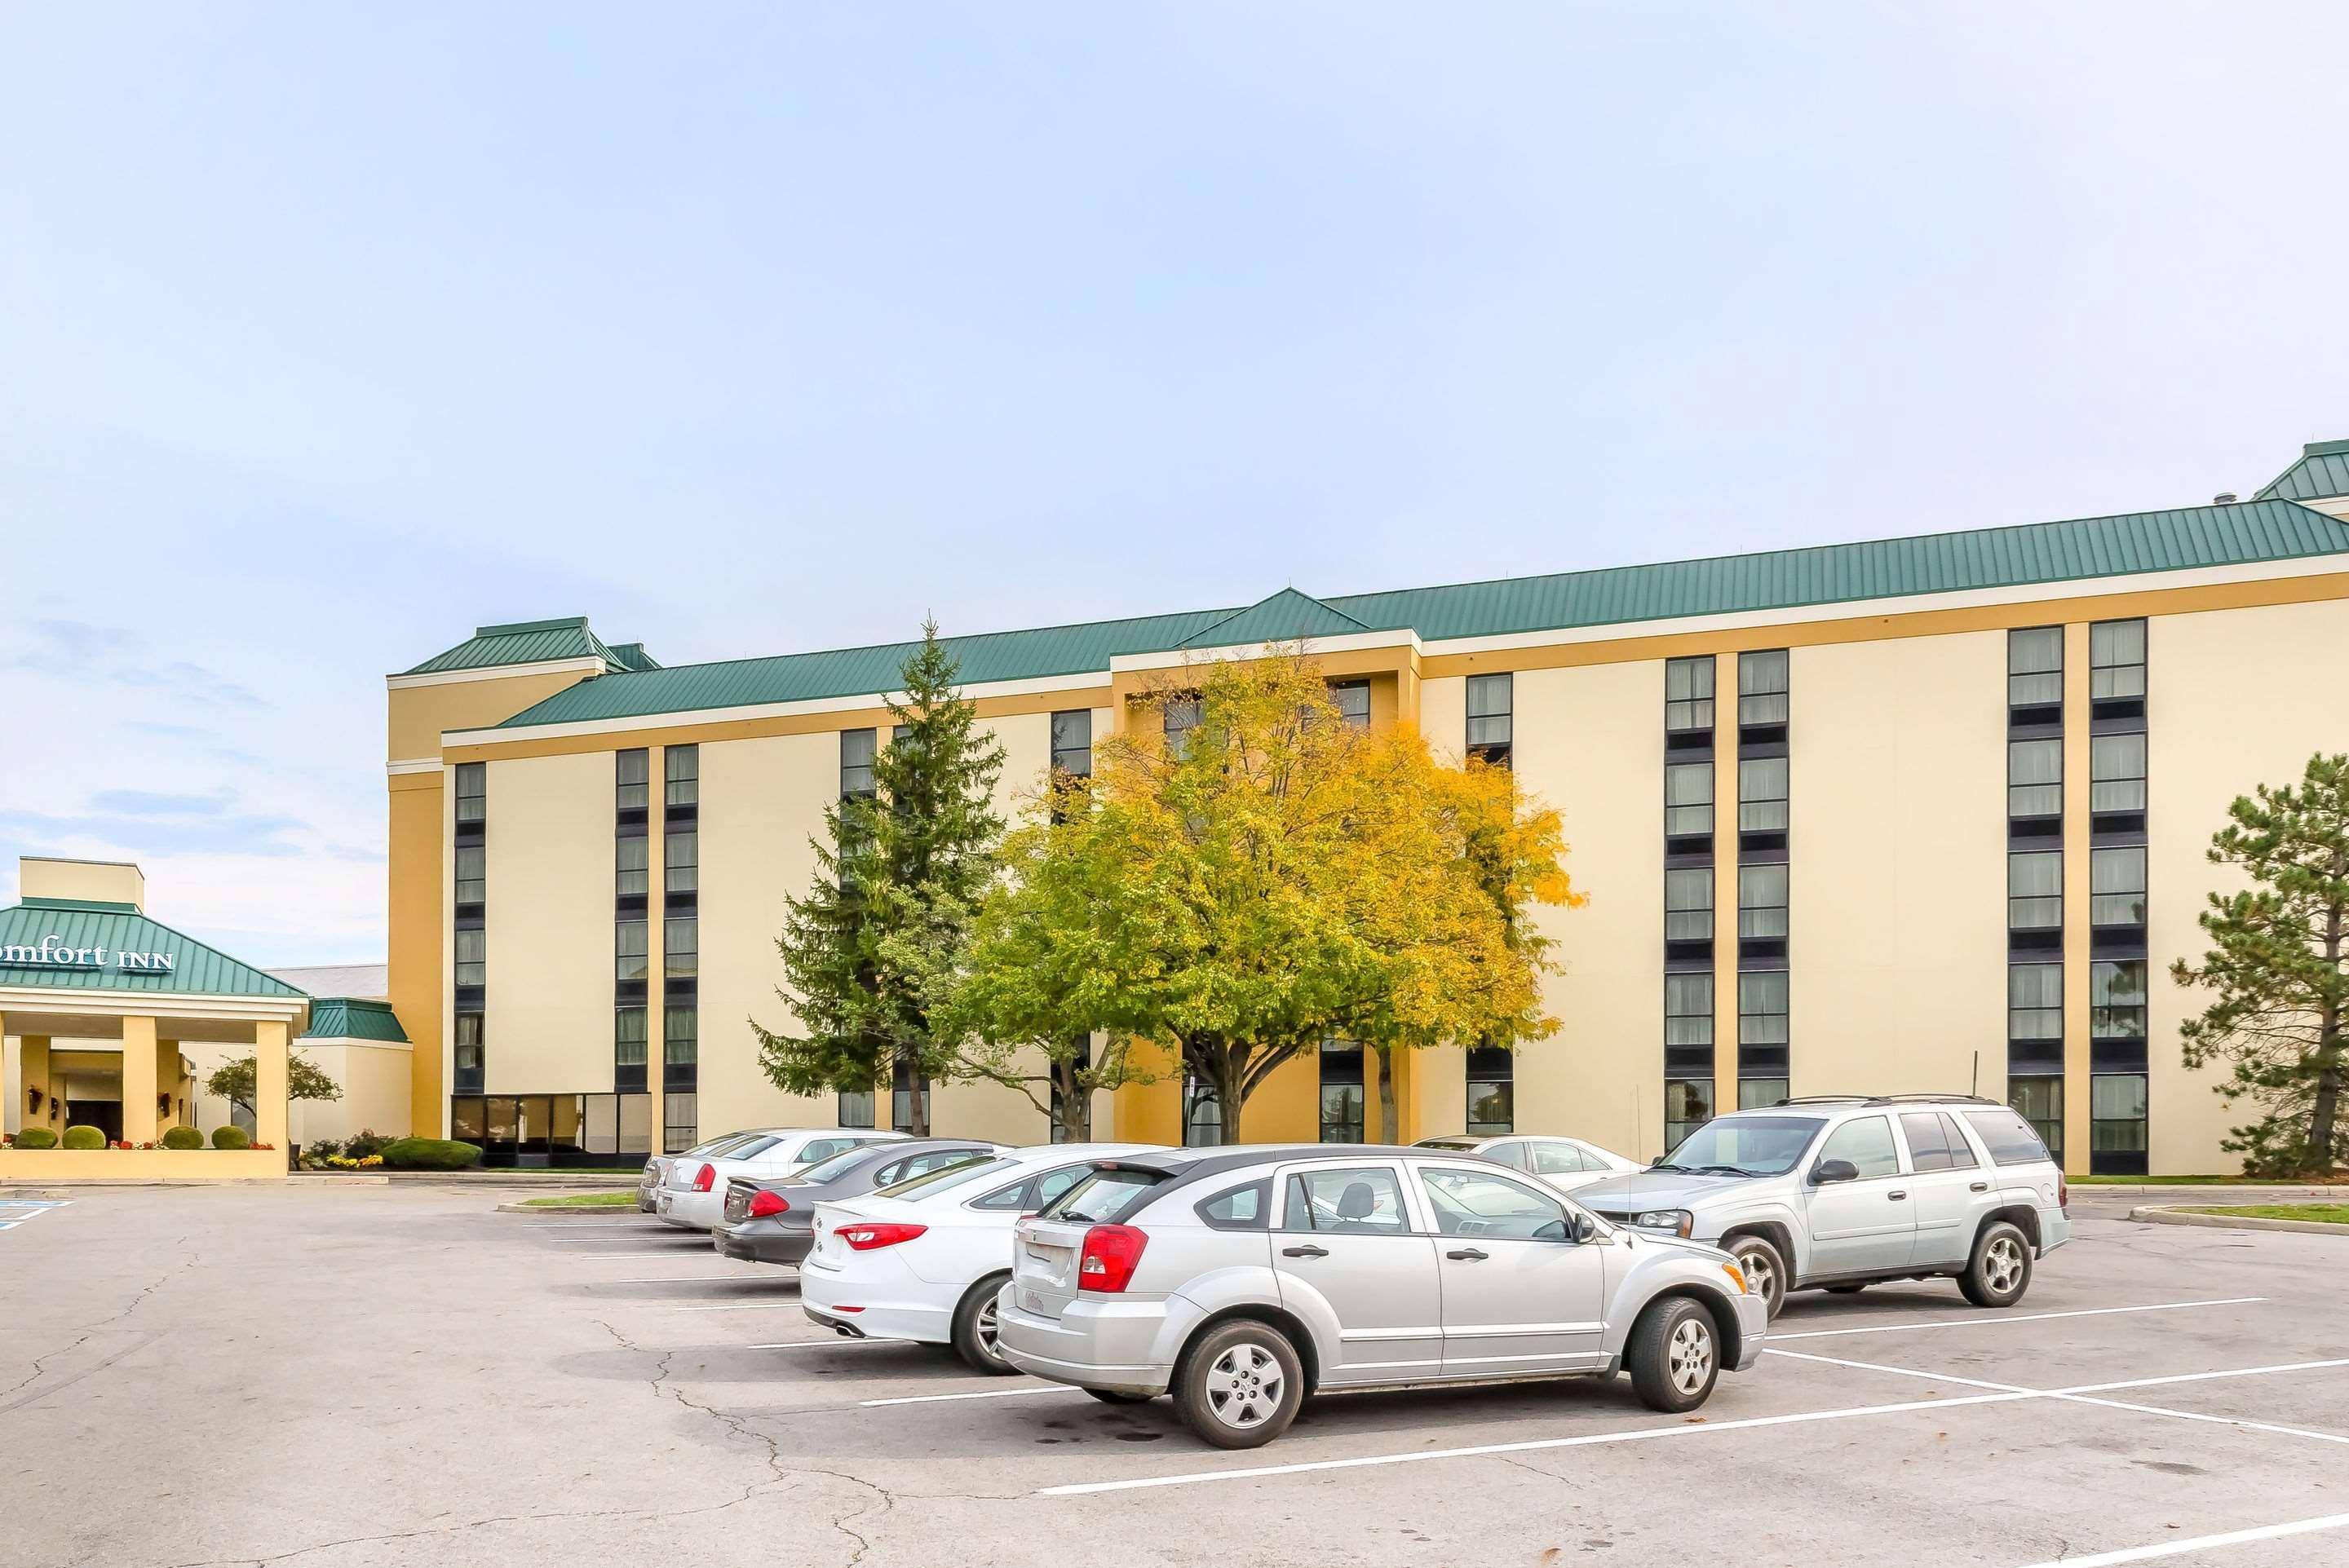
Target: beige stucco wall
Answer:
[[1590, 741], [1896, 881], [374, 1077], [548, 1022], [2234, 698], [1443, 714]]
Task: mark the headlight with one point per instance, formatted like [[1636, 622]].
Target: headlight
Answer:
[[1679, 1221]]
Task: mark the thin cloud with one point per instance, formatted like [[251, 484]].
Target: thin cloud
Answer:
[[90, 655], [261, 834], [143, 803]]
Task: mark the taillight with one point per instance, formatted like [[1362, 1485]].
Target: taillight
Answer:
[[705, 1179], [2064, 1194], [865, 1238], [764, 1203], [1108, 1256]]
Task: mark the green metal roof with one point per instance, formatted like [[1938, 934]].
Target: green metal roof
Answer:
[[2322, 472], [1285, 617], [353, 1019], [69, 925], [2027, 555], [534, 641]]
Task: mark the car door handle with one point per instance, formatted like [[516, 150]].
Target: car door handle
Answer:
[[1468, 1256], [1308, 1250], [1979, 1187], [1896, 1195]]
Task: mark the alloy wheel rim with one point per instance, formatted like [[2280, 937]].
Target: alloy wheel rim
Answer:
[[1688, 1355], [1760, 1272], [2002, 1265], [1244, 1386], [990, 1324]]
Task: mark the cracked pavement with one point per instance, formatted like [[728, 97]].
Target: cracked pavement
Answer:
[[372, 1376]]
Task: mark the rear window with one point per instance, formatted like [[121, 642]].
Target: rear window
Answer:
[[1104, 1197], [750, 1147], [940, 1180], [839, 1164], [2009, 1138]]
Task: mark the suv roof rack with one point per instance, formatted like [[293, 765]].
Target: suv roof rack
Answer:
[[1888, 1100]]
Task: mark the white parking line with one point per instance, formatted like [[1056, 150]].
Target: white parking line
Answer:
[[2016, 1318], [684, 1279], [989, 1393], [792, 1304], [1641, 1434], [2200, 1543], [16, 1211], [835, 1342]]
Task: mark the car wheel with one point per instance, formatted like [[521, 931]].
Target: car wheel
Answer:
[[1674, 1355], [1118, 1397], [1241, 1386], [1847, 1289], [975, 1328], [2001, 1270], [1765, 1271]]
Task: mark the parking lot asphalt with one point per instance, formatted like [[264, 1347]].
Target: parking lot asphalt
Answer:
[[396, 1375]]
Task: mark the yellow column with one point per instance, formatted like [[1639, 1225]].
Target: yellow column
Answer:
[[34, 1050], [656, 959], [2077, 956], [137, 1079], [167, 1084], [269, 1051], [1724, 886]]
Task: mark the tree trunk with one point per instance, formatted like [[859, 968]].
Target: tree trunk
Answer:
[[2328, 1061], [1389, 1132], [1225, 1073], [918, 1104], [1076, 1106]]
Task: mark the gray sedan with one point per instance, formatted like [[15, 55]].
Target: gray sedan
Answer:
[[773, 1220]]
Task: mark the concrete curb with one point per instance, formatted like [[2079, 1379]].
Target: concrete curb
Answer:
[[618, 1212], [2171, 1214]]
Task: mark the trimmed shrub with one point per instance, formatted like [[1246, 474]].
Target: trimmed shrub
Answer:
[[364, 1142], [182, 1138], [429, 1154], [230, 1137], [36, 1138], [81, 1137]]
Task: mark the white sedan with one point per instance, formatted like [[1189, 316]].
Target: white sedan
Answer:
[[1565, 1163], [924, 1259], [692, 1194]]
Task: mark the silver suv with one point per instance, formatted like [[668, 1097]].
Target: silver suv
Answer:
[[1834, 1192], [1242, 1280]]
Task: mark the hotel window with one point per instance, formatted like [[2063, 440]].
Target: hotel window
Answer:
[[2117, 1118], [2034, 778], [628, 950], [1492, 1091], [856, 753], [630, 865], [2035, 667], [901, 1097], [468, 1052], [1688, 1105], [1762, 795], [1688, 799], [1176, 720], [681, 946], [681, 1038], [1353, 700], [2034, 889], [632, 771], [1688, 696], [1492, 722], [1763, 687], [681, 860], [2117, 661], [1762, 1007], [2034, 1002], [1762, 901], [1688, 1011], [628, 1047], [1757, 1093], [2116, 999], [1072, 742], [470, 872], [680, 1118], [1203, 1114], [1341, 1092], [472, 956], [857, 1108], [2116, 886], [2117, 773], [2039, 1100], [472, 791], [682, 766], [1687, 905]]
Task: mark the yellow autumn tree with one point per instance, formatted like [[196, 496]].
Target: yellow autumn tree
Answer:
[[1244, 888]]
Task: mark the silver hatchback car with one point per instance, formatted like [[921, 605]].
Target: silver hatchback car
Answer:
[[1242, 1280]]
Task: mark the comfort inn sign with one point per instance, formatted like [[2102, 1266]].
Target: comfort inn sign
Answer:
[[53, 955]]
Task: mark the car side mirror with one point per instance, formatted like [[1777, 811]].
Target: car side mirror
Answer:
[[1583, 1227], [1827, 1171]]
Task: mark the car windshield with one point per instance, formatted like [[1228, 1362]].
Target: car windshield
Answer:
[[1744, 1146], [839, 1164], [936, 1182]]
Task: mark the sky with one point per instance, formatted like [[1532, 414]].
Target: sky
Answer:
[[327, 333]]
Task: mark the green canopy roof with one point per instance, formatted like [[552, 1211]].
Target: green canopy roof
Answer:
[[2321, 472], [1286, 617], [535, 642], [68, 945], [353, 1019]]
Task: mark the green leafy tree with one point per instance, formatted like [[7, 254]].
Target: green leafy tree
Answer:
[[871, 952], [304, 1080], [2276, 968]]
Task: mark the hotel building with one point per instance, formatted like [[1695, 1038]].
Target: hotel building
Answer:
[[1924, 813]]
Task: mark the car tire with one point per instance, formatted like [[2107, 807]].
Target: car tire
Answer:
[[1674, 1355], [1765, 1269], [1119, 1397], [1999, 1271], [974, 1330], [1847, 1289], [1240, 1385]]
